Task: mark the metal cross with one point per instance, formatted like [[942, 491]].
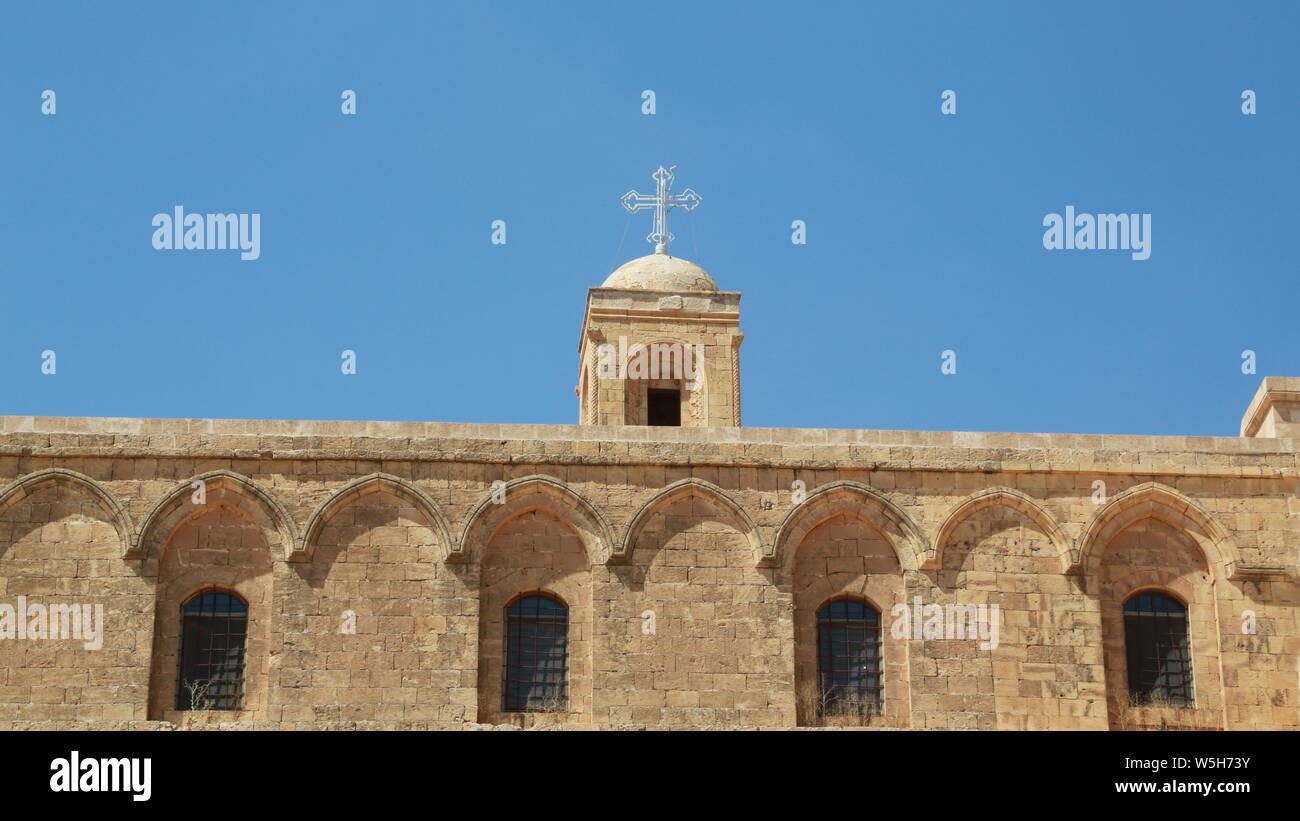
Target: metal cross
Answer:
[[661, 202]]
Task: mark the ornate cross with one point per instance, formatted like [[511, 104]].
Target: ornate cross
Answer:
[[661, 202]]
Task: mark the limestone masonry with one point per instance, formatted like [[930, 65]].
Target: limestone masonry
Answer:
[[382, 563]]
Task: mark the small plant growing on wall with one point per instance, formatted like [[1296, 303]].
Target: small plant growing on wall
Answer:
[[199, 699], [1155, 712]]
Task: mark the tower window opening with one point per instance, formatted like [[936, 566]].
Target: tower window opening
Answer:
[[664, 407]]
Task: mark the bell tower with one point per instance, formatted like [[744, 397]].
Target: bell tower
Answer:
[[660, 342]]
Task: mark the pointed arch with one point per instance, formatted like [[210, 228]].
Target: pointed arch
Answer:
[[222, 486], [856, 499], [689, 487], [533, 493], [27, 485], [305, 549], [1018, 501], [1153, 500]]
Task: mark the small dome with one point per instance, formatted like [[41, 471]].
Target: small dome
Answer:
[[660, 272]]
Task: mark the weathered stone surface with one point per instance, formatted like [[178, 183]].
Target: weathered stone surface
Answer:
[[994, 518]]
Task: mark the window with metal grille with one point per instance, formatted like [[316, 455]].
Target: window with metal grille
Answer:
[[214, 629], [1159, 655], [537, 656], [848, 658]]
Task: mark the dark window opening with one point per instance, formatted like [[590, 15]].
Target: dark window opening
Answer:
[[848, 659], [1159, 655], [214, 630], [536, 664], [664, 407]]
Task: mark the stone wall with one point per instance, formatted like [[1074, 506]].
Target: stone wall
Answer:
[[704, 528]]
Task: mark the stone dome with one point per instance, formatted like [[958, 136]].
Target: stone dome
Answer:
[[660, 272]]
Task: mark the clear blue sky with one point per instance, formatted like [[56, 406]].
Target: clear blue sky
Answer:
[[924, 231]]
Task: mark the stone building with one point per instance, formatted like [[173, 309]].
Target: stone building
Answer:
[[656, 565]]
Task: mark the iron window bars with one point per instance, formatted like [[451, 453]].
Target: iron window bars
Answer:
[[849, 659], [1159, 655], [536, 663], [214, 631]]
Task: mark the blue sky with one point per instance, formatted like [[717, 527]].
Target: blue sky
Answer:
[[924, 230]]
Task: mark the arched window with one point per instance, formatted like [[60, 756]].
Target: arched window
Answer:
[[214, 628], [848, 658], [1159, 656], [537, 656]]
